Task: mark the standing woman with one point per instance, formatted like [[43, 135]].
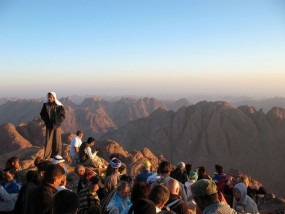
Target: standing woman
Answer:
[[52, 114]]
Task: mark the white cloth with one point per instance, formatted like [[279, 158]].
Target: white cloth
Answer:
[[89, 153], [55, 99], [75, 142]]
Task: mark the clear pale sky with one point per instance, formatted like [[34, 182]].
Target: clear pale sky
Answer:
[[142, 47]]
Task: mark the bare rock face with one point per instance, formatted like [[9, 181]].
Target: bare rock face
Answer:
[[18, 111], [34, 131], [214, 132], [10, 139]]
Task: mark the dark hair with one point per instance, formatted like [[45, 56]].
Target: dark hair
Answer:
[[79, 132], [159, 194], [52, 172], [127, 178], [43, 165], [164, 167], [201, 170], [65, 202], [31, 174], [188, 167], [90, 140], [219, 169], [140, 190], [10, 161]]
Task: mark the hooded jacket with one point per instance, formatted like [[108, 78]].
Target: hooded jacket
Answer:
[[245, 204]]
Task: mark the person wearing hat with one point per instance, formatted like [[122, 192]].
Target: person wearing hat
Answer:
[[179, 173], [205, 194], [87, 158], [89, 201], [145, 173], [53, 114], [111, 181], [59, 161]]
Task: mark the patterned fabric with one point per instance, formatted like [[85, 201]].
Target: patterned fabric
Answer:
[[88, 202], [219, 208]]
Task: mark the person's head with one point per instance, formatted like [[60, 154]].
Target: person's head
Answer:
[[159, 195], [79, 134], [201, 171], [13, 162], [90, 141], [144, 206], [219, 169], [126, 178], [115, 164], [88, 175], [54, 175], [123, 189], [58, 160], [173, 186], [205, 193], [51, 98], [181, 165], [146, 165], [30, 175], [140, 190], [79, 170], [164, 167], [188, 167], [244, 179], [95, 184], [240, 191], [65, 202], [42, 167], [9, 174]]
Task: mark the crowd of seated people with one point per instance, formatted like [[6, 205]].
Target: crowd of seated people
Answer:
[[51, 189]]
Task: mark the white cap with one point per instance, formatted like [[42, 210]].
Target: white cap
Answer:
[[57, 159]]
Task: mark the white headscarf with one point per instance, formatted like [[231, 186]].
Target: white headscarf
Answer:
[[54, 95]]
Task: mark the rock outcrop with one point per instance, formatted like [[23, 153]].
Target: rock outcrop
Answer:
[[214, 132]]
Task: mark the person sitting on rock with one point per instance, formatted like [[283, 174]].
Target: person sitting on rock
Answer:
[[75, 145], [145, 173], [220, 178], [89, 201], [9, 191], [242, 203], [202, 174], [111, 181], [59, 161], [179, 173], [206, 197], [87, 158]]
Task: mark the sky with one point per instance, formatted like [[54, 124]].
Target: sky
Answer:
[[142, 47]]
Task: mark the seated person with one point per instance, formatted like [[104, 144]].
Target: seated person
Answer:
[[87, 158], [9, 190]]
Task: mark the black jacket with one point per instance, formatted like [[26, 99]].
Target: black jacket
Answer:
[[22, 197], [56, 117], [39, 200]]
